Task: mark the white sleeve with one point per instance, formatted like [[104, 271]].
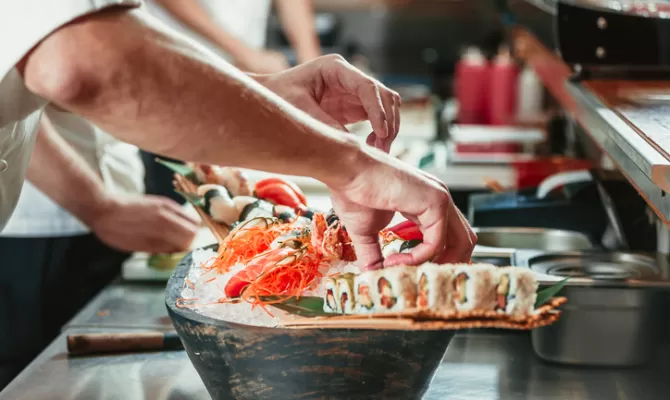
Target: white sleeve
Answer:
[[24, 23]]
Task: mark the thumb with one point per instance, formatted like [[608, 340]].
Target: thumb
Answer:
[[368, 252]]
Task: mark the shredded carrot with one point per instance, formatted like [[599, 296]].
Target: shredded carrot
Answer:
[[210, 279], [285, 281], [247, 244]]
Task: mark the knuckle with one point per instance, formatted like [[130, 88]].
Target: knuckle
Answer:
[[335, 58]]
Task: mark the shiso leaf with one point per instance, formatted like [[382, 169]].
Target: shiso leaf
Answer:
[[180, 169], [546, 294], [304, 306], [192, 198]]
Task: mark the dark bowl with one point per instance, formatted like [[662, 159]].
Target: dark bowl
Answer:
[[237, 361]]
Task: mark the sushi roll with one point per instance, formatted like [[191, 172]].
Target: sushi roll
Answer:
[[259, 208], [396, 288], [330, 303], [366, 295], [516, 291], [473, 287], [218, 204], [345, 293], [433, 287]]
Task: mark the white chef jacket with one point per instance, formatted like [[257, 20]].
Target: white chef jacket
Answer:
[[247, 20], [118, 163], [23, 24]]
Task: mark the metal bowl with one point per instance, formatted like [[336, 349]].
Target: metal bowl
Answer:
[[237, 361], [612, 314]]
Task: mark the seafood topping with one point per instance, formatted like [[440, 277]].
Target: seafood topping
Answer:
[[332, 218], [364, 298], [501, 293], [343, 300], [459, 286], [330, 299], [423, 291], [386, 293]]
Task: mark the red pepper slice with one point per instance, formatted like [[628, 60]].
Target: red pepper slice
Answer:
[[296, 189], [240, 281], [406, 230], [279, 193]]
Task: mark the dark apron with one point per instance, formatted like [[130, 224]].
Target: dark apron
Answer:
[[44, 282]]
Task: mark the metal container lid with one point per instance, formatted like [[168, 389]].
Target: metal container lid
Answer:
[[601, 269]]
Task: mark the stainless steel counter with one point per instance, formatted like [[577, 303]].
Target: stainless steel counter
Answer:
[[482, 365]]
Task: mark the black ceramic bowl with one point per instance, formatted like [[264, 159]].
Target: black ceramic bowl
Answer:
[[238, 361]]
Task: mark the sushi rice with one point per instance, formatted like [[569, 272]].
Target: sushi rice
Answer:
[[472, 287]]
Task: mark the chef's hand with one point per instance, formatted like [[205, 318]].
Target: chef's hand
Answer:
[[384, 186], [262, 61], [152, 224], [337, 93]]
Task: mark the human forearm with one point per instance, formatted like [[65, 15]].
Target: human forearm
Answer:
[[297, 18], [64, 176], [168, 97]]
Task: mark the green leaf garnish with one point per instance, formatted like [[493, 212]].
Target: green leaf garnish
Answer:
[[181, 169], [303, 306], [192, 198], [545, 294]]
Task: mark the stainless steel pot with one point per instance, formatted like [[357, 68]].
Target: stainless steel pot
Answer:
[[612, 315], [503, 242]]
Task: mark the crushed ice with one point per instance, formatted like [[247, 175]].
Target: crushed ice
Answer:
[[207, 290]]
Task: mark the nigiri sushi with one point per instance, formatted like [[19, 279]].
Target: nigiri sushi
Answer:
[[218, 203]]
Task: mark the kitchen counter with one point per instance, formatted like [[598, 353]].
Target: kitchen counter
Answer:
[[477, 365]]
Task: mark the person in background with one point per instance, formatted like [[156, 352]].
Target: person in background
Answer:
[[125, 73], [56, 258], [236, 30]]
